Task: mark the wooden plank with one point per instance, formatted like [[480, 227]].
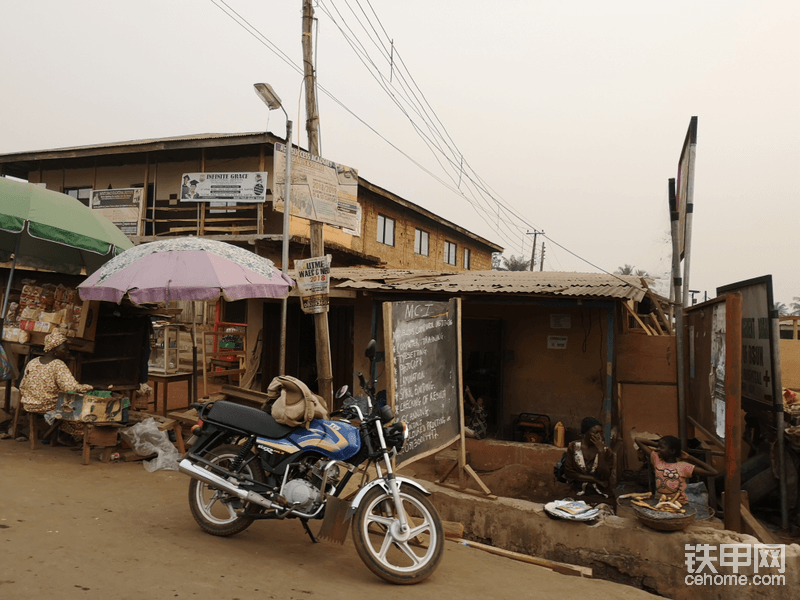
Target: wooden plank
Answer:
[[636, 318], [558, 567], [753, 526], [656, 324], [657, 304]]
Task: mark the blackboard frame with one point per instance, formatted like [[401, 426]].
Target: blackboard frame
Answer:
[[411, 331]]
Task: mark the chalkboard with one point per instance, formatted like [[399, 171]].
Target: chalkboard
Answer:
[[423, 349]]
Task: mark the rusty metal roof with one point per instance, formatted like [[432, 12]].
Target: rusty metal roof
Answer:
[[537, 283]]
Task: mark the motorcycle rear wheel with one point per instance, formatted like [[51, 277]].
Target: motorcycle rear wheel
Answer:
[[396, 557], [215, 510]]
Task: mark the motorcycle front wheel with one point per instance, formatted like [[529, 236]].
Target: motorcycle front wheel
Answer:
[[397, 557], [217, 512]]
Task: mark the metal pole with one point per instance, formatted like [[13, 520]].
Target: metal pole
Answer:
[[533, 249], [287, 203], [541, 259], [11, 275], [777, 393], [679, 340]]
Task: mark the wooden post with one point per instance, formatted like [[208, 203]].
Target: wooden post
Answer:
[[322, 334]]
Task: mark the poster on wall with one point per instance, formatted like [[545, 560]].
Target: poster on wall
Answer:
[[760, 350], [322, 190], [229, 187], [314, 283], [120, 206]]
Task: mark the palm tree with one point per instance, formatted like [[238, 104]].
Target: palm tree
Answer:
[[781, 308], [631, 270], [796, 305], [515, 263]]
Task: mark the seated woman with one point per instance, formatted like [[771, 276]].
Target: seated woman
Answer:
[[671, 473], [48, 375], [589, 466]]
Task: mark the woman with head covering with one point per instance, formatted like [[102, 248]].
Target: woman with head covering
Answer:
[[48, 375], [589, 464]]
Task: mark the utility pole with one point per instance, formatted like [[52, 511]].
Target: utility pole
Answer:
[[321, 332], [541, 258], [533, 249]]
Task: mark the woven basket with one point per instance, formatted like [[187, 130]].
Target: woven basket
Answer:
[[141, 401]]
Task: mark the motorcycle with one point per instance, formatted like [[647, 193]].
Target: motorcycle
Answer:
[[245, 466]]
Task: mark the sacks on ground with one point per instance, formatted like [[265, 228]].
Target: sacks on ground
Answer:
[[293, 403]]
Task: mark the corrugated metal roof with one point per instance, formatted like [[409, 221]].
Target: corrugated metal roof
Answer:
[[538, 283], [144, 142]]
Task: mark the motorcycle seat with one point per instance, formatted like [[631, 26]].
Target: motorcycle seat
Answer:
[[248, 419]]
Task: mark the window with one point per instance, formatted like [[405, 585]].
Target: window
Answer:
[[386, 230], [450, 253], [84, 194], [421, 239], [467, 258]]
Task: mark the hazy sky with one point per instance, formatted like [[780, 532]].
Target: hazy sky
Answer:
[[571, 114]]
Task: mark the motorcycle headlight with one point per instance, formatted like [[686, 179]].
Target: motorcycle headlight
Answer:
[[396, 435]]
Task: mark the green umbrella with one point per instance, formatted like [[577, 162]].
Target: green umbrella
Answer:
[[49, 230]]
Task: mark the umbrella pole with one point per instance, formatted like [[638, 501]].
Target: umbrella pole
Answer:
[[10, 277], [194, 353]]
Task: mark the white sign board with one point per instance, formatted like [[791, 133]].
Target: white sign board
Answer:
[[322, 190], [121, 206], [230, 187], [313, 283]]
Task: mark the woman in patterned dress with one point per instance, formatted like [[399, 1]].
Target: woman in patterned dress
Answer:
[[48, 375], [590, 465]]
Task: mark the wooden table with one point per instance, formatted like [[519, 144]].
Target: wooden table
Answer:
[[166, 379]]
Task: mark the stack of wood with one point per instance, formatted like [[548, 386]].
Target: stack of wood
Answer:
[[658, 321]]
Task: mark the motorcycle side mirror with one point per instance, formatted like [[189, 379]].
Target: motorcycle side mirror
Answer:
[[341, 392], [370, 351]]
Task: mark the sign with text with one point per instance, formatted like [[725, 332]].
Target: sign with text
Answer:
[[425, 373], [230, 187], [121, 206], [760, 377], [314, 283], [322, 190]]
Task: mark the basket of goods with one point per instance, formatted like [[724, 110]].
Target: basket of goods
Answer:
[[665, 513]]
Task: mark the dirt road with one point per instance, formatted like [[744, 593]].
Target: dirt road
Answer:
[[115, 531]]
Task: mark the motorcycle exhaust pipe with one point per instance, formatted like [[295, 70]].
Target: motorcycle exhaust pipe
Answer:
[[188, 468]]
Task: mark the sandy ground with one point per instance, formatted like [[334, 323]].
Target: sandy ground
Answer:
[[113, 530]]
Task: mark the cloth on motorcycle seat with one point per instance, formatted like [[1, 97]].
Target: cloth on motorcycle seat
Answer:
[[293, 403], [248, 418]]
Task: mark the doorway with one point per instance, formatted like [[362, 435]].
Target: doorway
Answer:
[[481, 347]]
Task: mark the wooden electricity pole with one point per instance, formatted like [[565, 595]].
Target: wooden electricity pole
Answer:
[[322, 336]]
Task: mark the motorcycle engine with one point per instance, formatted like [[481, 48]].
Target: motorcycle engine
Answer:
[[301, 492]]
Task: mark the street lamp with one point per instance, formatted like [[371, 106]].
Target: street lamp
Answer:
[[273, 102]]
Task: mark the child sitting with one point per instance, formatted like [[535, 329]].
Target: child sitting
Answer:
[[671, 473]]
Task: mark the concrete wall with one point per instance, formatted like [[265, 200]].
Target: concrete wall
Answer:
[[616, 548]]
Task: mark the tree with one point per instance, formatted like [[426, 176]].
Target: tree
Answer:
[[796, 305], [631, 270], [782, 309], [515, 263]]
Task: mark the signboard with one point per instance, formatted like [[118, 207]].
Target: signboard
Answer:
[[424, 374], [314, 283], [121, 206], [231, 187], [685, 184], [322, 190], [759, 346]]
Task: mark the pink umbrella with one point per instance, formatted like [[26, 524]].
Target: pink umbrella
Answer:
[[185, 269]]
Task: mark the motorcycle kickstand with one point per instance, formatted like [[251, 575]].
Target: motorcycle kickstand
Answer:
[[308, 531]]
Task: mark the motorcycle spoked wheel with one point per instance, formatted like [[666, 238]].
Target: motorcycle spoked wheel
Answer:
[[215, 510], [396, 557]]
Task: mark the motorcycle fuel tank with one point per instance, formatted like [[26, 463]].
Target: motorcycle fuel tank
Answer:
[[334, 439]]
